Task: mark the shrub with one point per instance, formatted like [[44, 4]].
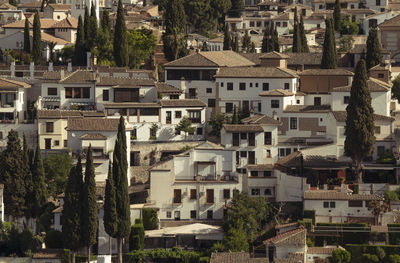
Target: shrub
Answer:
[[309, 214], [345, 237], [83, 258], [394, 258], [136, 237], [176, 255], [309, 242], [394, 234], [53, 239], [307, 223], [358, 251], [368, 258], [150, 218], [340, 256], [66, 256]]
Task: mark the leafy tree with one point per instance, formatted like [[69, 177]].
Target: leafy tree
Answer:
[[374, 56], [144, 2], [297, 47], [246, 42], [237, 8], [394, 258], [201, 16], [120, 167], [72, 211], [227, 38], [46, 217], [174, 37], [136, 238], [12, 175], [89, 206], [303, 37], [142, 43], [27, 42], [104, 48], [91, 37], [185, 125], [105, 21], [67, 53], [359, 127], [37, 40], [54, 239], [150, 218], [31, 210], [380, 253], [120, 39], [57, 169], [216, 121], [396, 88], [369, 258], [377, 209], [329, 57], [13, 2], [337, 16], [348, 27], [340, 256], [39, 185], [235, 239], [345, 43], [110, 206], [220, 9]]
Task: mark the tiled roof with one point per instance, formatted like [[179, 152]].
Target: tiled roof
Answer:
[[304, 58], [7, 6], [128, 82], [296, 237], [316, 161], [260, 167], [286, 225], [307, 108], [274, 54], [260, 119], [255, 72], [33, 4], [243, 128], [48, 254], [235, 257], [326, 72], [365, 11], [336, 195], [226, 58], [93, 136], [68, 22], [63, 114], [291, 258], [50, 38], [59, 6], [45, 23], [276, 93], [182, 103], [84, 124], [273, 3], [320, 250], [395, 21], [209, 145], [374, 85], [121, 105], [54, 75], [167, 88], [8, 84], [79, 76], [341, 116], [284, 16]]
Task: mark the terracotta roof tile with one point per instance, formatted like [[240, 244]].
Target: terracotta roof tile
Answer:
[[84, 124], [276, 93], [307, 108], [374, 85], [63, 114], [274, 54], [255, 72], [33, 4], [182, 103], [293, 237], [60, 6], [68, 22], [260, 119], [93, 136], [127, 82], [50, 38], [335, 195], [45, 23], [286, 225], [291, 258], [8, 84], [326, 72], [167, 88], [225, 58], [243, 128], [79, 76], [395, 21], [341, 116]]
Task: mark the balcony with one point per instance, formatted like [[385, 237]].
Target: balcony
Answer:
[[216, 178]]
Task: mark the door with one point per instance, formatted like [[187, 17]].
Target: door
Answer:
[[47, 144], [168, 119], [252, 139], [235, 139], [177, 215], [252, 157]]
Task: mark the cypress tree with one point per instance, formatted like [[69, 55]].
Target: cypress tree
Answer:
[[37, 40], [72, 211], [79, 58], [105, 21], [27, 42], [236, 44], [91, 37], [29, 187], [39, 184], [359, 127], [265, 40], [337, 15], [374, 56], [144, 3], [120, 168], [12, 175], [86, 23], [235, 116], [303, 37], [237, 8], [90, 213], [227, 38], [120, 40], [275, 38], [329, 57], [110, 209], [246, 42], [296, 35]]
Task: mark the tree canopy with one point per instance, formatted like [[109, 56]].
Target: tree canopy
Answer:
[[37, 40], [329, 56], [374, 56]]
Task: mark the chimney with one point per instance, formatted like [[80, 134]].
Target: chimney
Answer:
[[251, 112], [183, 86], [69, 67], [50, 66], [197, 50], [274, 115], [12, 69], [62, 74], [32, 69]]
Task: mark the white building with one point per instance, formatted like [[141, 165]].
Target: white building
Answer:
[[78, 7], [195, 185]]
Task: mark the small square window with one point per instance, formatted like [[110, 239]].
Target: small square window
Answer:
[[256, 84], [286, 85], [274, 103], [243, 136], [211, 103], [377, 130], [56, 143], [243, 154], [106, 95], [222, 84], [193, 194], [267, 173], [321, 119], [193, 214], [251, 84], [267, 191], [169, 214], [199, 131], [242, 86], [228, 107], [210, 214], [229, 86], [265, 86], [332, 204], [209, 90], [52, 91], [65, 143], [297, 101], [227, 193], [381, 76], [346, 99], [178, 114], [326, 204]]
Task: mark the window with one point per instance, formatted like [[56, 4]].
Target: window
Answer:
[[235, 139], [266, 86], [242, 86], [380, 150], [286, 86], [268, 153], [193, 214], [227, 193], [355, 203], [277, 24], [267, 138], [255, 191], [51, 91], [251, 84], [267, 173], [210, 196], [251, 23], [332, 204], [209, 90], [56, 143], [193, 194], [381, 76], [209, 214], [346, 99], [243, 154], [274, 104], [378, 2], [243, 136], [267, 191], [228, 107], [254, 173], [168, 214], [297, 101], [65, 143], [229, 86], [49, 126], [281, 152], [1, 135], [106, 95], [326, 204], [284, 24], [77, 93], [288, 151], [222, 84], [195, 116], [256, 84], [377, 130], [178, 114], [211, 103], [177, 196], [293, 123], [317, 101], [259, 107], [199, 131]]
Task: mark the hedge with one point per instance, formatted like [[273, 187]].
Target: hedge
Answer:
[[309, 214], [53, 239], [83, 258], [394, 237], [357, 251], [307, 223], [345, 237], [136, 237], [66, 256], [160, 255], [150, 218]]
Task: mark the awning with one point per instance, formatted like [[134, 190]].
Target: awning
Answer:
[[51, 99], [83, 103]]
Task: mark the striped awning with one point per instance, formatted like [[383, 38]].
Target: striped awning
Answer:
[[51, 99]]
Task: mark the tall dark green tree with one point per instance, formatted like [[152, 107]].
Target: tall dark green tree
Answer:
[[29, 187], [275, 39], [39, 185], [201, 16], [236, 8], [174, 38], [337, 15], [235, 46], [359, 127], [86, 22], [12, 175], [80, 49], [89, 205], [120, 168], [110, 206], [27, 41], [303, 37], [246, 42], [91, 37], [374, 56], [227, 38], [296, 35], [329, 57], [105, 21], [266, 40], [120, 40], [37, 40], [72, 211]]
